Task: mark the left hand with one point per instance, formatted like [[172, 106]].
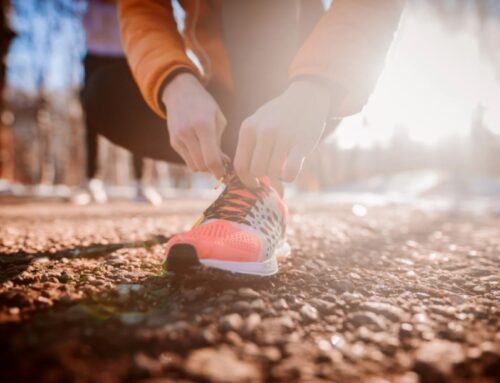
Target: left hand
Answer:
[[275, 140]]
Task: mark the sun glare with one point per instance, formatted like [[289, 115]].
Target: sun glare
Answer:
[[432, 83]]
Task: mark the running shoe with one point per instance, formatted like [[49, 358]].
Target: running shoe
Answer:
[[145, 193], [243, 231], [91, 191]]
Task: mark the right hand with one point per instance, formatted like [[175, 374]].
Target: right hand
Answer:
[[195, 124]]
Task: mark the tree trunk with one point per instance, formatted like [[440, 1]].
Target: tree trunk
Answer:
[[6, 152]]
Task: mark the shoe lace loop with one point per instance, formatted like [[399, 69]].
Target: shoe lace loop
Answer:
[[234, 203]]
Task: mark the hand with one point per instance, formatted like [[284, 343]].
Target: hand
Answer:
[[275, 140], [195, 124]]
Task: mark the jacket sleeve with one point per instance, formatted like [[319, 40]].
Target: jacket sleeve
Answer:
[[347, 49], [153, 46]]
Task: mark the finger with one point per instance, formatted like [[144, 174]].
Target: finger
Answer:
[[261, 155], [221, 123], [193, 147], [211, 152], [243, 156], [184, 153], [278, 159], [293, 164]]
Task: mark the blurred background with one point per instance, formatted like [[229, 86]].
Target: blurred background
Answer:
[[431, 128]]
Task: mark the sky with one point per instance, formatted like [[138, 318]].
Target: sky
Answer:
[[49, 46]]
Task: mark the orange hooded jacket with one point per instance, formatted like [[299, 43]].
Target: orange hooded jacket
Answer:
[[346, 48]]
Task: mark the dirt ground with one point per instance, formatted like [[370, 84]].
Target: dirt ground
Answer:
[[387, 294]]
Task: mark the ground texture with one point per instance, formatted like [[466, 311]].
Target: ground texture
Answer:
[[394, 295]]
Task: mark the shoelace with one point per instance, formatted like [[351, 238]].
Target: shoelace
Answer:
[[234, 203]]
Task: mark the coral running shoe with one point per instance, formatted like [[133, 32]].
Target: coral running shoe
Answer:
[[243, 231]]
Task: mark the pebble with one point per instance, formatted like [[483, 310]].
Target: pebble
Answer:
[[366, 318], [241, 306], [206, 336], [248, 293], [220, 365], [479, 289], [350, 298], [126, 288], [389, 311], [406, 329], [447, 311], [309, 313], [343, 285], [323, 306], [194, 294], [64, 277], [257, 305], [434, 360], [250, 324], [231, 322], [150, 365], [280, 304], [411, 274]]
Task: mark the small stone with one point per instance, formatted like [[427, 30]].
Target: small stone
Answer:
[[280, 304], [40, 260], [131, 318], [411, 274], [293, 369], [126, 288], [64, 277], [231, 322], [434, 361], [337, 341], [194, 294], [271, 354], [248, 293], [406, 329], [233, 339], [145, 363], [479, 289], [350, 298], [241, 306], [257, 305], [355, 276], [206, 336], [309, 313], [251, 324], [271, 330], [323, 306], [365, 318], [343, 285], [389, 311], [44, 300], [220, 365], [447, 311]]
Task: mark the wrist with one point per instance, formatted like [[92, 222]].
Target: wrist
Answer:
[[175, 83], [312, 89]]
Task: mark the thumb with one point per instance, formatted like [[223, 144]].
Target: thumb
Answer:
[[293, 164]]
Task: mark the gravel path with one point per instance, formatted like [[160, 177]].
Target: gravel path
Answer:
[[394, 295]]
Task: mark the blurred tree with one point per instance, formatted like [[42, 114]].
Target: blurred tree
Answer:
[[45, 73], [6, 35]]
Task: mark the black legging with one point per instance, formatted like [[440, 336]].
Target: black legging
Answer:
[[97, 67]]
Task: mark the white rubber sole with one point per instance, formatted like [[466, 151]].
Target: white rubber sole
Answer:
[[264, 268]]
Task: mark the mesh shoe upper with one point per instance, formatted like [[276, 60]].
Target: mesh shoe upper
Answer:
[[241, 225]]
